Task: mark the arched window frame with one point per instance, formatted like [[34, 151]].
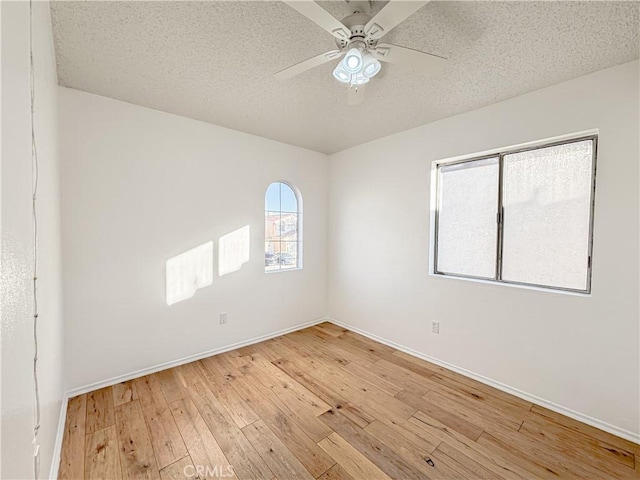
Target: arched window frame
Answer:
[[274, 244]]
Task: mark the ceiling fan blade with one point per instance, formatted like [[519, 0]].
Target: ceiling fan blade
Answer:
[[356, 94], [393, 13], [387, 52], [321, 17], [308, 64]]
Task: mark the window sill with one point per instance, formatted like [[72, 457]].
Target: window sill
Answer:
[[283, 270], [513, 285]]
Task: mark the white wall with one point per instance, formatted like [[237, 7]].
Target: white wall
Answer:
[[17, 253], [581, 353], [140, 186]]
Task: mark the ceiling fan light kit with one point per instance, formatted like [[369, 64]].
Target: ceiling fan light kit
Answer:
[[352, 62], [357, 68], [357, 38]]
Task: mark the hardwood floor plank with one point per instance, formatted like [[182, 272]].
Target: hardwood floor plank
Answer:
[[188, 375], [331, 329], [170, 385], [590, 453], [490, 406], [333, 348], [335, 353], [289, 403], [312, 457], [383, 371], [136, 453], [395, 434], [523, 404], [446, 467], [99, 410], [163, 431], [102, 460], [453, 421], [292, 348], [477, 395], [562, 435], [182, 469], [350, 459], [493, 460], [246, 462], [336, 473], [204, 451], [124, 392], [361, 393], [282, 462], [73, 440], [420, 367], [287, 387], [479, 401], [367, 372], [534, 452], [486, 418], [298, 369], [412, 449], [234, 404], [263, 348], [232, 358], [363, 343], [588, 430], [338, 349], [473, 468], [371, 447]]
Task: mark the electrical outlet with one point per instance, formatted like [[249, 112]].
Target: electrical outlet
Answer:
[[435, 327], [223, 318]]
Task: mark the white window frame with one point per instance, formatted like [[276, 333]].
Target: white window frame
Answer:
[[299, 241], [500, 153]]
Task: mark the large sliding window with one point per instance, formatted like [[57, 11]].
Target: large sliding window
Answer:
[[522, 217]]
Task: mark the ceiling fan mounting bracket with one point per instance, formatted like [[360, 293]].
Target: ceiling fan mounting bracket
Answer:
[[359, 6], [356, 23]]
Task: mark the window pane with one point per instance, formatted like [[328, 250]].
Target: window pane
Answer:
[[270, 259], [547, 205], [467, 229], [288, 200], [288, 257], [272, 198], [272, 225], [289, 227]]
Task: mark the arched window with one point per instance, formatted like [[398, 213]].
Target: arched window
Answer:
[[283, 228]]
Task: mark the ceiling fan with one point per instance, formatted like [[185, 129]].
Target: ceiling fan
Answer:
[[357, 38]]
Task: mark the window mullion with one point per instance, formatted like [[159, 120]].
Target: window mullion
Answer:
[[499, 219], [437, 213]]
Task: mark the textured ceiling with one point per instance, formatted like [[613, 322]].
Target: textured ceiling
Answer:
[[213, 61]]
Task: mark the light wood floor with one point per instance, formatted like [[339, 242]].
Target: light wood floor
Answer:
[[330, 404]]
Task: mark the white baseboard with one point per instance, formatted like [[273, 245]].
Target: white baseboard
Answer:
[[594, 422], [57, 445], [191, 358]]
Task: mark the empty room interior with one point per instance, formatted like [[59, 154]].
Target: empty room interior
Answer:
[[333, 240]]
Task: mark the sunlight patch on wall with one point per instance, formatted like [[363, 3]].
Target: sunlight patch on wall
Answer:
[[233, 250], [188, 272]]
